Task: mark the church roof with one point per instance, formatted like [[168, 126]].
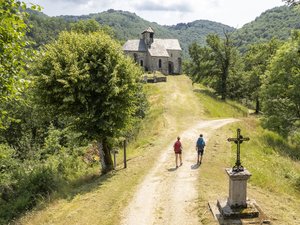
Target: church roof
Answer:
[[135, 45], [149, 30], [158, 48], [170, 44]]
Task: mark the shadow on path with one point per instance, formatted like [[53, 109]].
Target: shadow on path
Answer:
[[172, 169], [195, 166]]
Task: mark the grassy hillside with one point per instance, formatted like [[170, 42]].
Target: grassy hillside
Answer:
[[175, 106]]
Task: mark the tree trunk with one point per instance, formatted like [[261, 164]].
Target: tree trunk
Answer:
[[257, 107], [101, 156], [105, 156], [224, 84]]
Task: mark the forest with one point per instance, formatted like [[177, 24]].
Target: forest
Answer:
[[68, 94]]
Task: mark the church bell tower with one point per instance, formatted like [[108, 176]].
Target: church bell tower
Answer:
[[148, 36]]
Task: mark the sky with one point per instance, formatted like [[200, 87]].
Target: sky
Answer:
[[234, 13]]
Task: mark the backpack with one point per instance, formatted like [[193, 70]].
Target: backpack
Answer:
[[200, 143]]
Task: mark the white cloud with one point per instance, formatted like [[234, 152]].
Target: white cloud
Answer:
[[153, 6], [168, 12]]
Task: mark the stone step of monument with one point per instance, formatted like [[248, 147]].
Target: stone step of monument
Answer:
[[234, 219], [238, 212]]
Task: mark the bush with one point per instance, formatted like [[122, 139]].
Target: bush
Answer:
[[28, 189], [23, 184], [7, 165]]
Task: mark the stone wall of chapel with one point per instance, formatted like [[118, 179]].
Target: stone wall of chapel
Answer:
[[138, 57], [176, 58], [154, 64]]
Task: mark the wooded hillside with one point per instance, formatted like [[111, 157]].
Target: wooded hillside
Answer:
[[276, 22]]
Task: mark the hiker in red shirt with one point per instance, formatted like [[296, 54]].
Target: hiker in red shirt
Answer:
[[178, 150]]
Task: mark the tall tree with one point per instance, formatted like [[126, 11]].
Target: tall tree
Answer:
[[222, 51], [280, 91], [256, 61], [213, 62], [87, 77]]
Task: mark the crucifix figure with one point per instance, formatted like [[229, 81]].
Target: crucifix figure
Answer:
[[238, 140]]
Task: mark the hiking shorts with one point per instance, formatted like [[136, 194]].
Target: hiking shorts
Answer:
[[178, 152], [200, 151]]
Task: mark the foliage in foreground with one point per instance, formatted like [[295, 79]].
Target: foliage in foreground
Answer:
[[13, 54]]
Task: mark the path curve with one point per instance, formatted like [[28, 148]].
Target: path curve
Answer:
[[168, 195]]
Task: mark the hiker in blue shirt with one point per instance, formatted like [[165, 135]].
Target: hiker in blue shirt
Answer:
[[200, 148]]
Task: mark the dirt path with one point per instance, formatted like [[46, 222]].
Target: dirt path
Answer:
[[168, 195]]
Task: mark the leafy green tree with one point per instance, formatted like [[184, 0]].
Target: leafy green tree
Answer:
[[256, 61], [221, 54], [281, 92], [213, 62], [13, 53], [86, 77], [199, 68], [90, 26], [237, 82]]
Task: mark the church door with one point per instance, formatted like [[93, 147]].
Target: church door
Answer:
[[171, 67]]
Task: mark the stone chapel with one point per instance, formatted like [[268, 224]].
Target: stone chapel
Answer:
[[155, 54]]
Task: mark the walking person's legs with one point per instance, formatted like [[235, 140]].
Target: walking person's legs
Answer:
[[176, 159], [201, 154], [198, 155], [180, 158]]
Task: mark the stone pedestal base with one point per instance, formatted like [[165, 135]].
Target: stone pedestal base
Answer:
[[237, 209], [238, 187], [226, 215], [237, 212]]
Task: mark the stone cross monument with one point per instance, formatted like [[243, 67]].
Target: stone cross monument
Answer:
[[238, 177], [237, 209], [238, 140]]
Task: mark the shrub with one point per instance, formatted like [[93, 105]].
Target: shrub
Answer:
[[27, 190]]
